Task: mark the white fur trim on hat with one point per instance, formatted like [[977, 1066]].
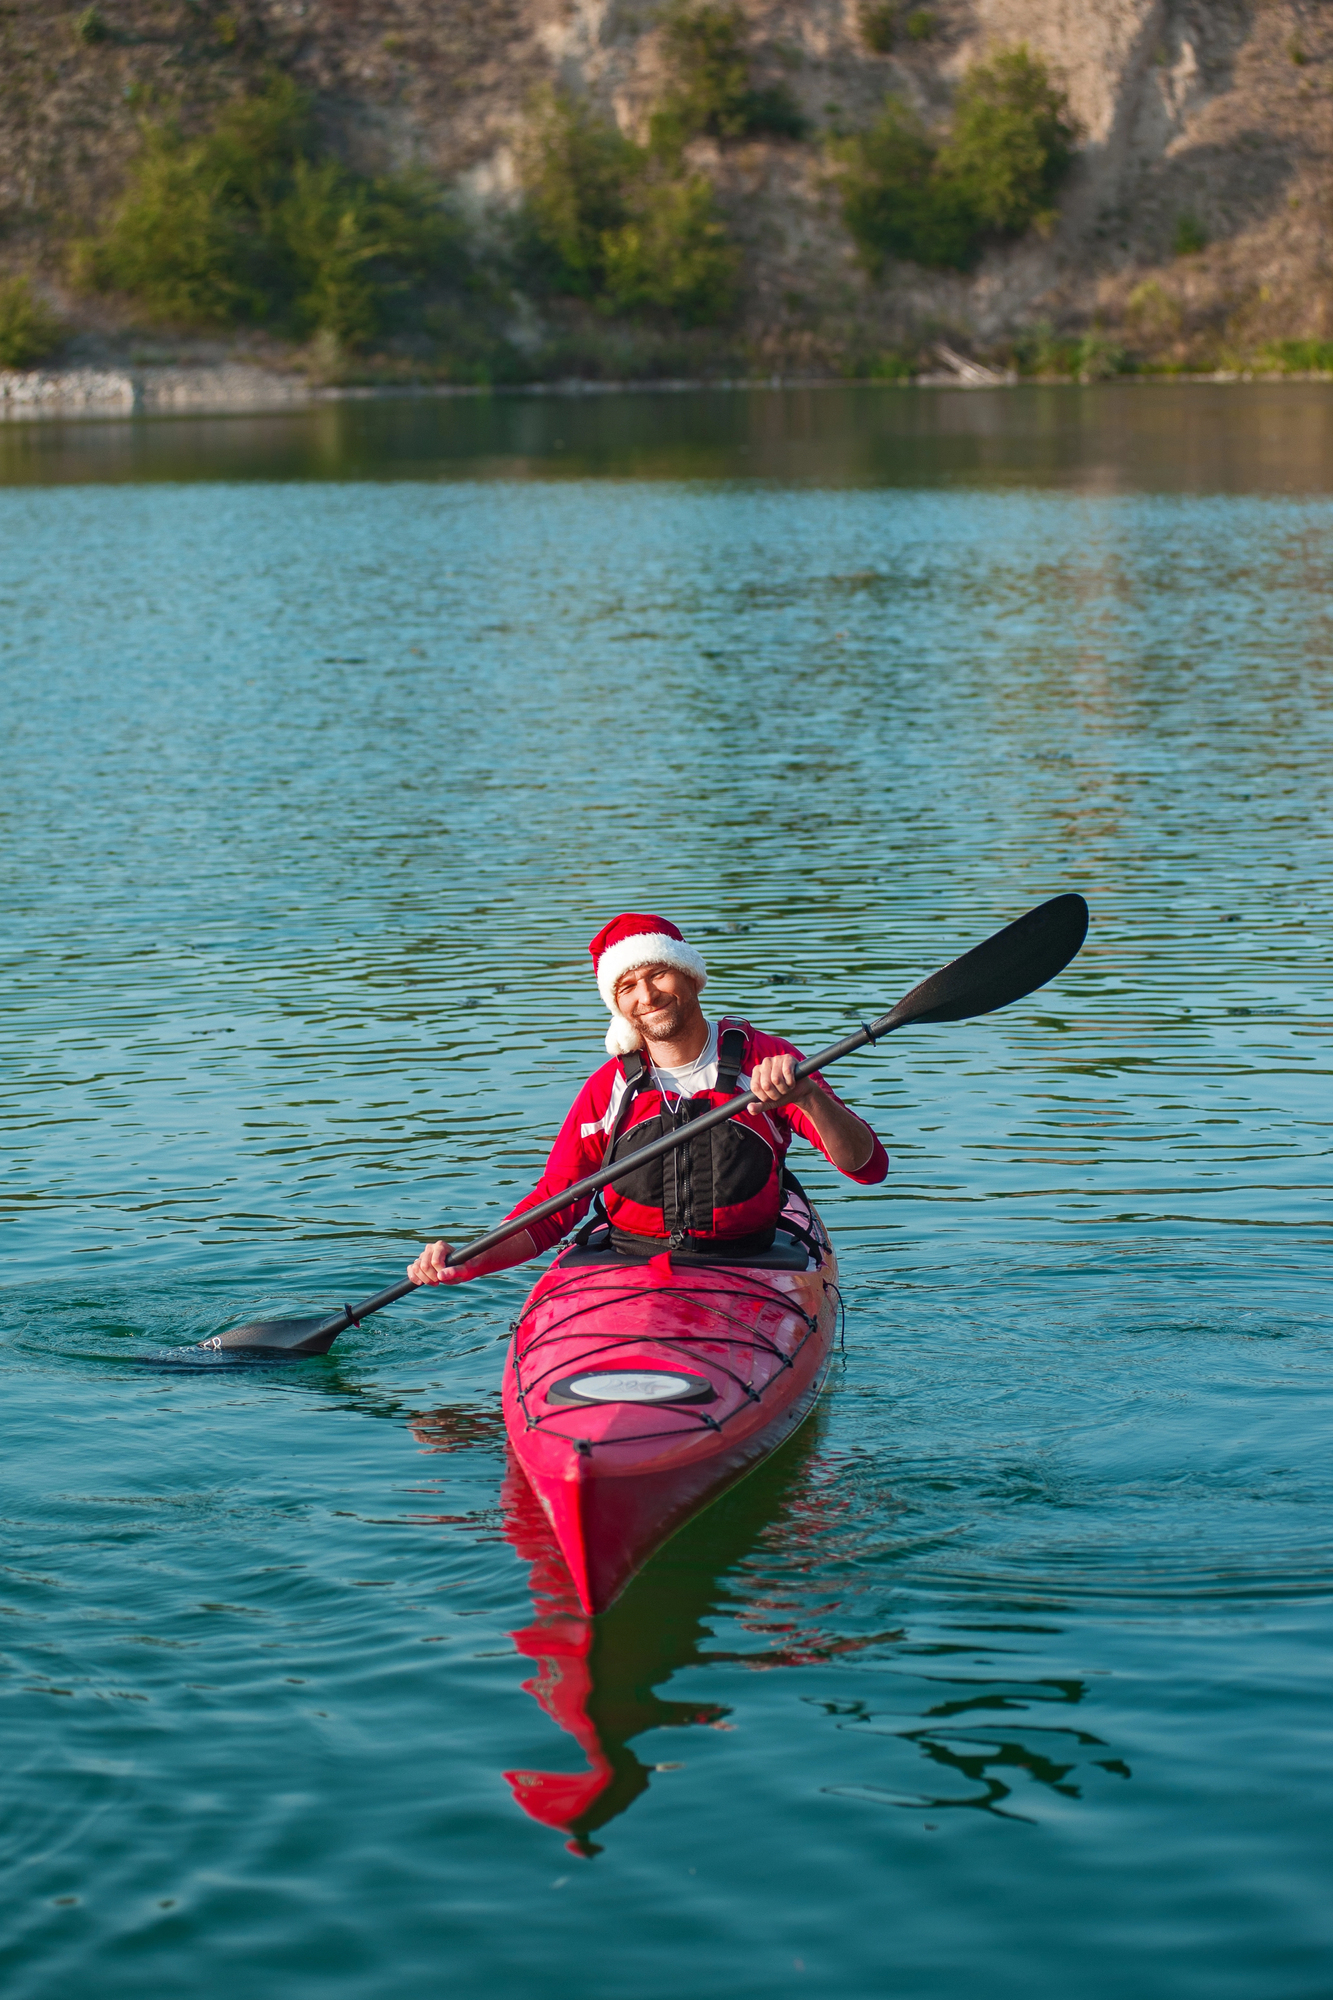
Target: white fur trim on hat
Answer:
[[622, 1036], [644, 948]]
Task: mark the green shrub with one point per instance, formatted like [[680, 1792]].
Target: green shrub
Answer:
[[249, 224], [1154, 314], [881, 364], [884, 25], [622, 225], [879, 26], [894, 201], [90, 28], [1089, 357], [1298, 357], [993, 175], [354, 249], [1098, 359], [774, 113], [710, 91], [178, 243], [28, 329], [1011, 143], [331, 231], [673, 255], [577, 171], [1190, 236]]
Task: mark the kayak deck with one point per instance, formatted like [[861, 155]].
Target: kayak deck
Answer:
[[635, 1392]]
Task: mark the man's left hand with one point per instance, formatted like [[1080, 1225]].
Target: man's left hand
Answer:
[[773, 1081]]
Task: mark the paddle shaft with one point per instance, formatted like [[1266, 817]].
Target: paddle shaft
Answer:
[[1006, 967], [353, 1315]]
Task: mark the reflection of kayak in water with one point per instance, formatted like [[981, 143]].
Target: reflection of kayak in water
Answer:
[[637, 1388], [759, 1559], [597, 1677]]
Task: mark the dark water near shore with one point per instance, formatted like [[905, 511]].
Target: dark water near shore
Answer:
[[331, 739]]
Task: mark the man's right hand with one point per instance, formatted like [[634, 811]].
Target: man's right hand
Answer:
[[432, 1267]]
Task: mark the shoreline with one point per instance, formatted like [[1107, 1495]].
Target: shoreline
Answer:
[[242, 389]]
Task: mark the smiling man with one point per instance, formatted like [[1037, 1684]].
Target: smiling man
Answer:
[[721, 1190]]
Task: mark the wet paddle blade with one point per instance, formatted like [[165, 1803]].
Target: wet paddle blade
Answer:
[[315, 1334], [1015, 962]]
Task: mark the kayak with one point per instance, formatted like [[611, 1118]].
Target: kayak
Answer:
[[640, 1384]]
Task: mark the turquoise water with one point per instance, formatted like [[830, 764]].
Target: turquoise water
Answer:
[[332, 739]]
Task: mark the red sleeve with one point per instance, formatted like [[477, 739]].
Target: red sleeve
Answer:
[[578, 1150], [876, 1167]]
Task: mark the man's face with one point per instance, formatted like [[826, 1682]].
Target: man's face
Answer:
[[660, 1000]]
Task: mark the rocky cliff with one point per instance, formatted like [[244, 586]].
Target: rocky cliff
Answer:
[[1194, 227]]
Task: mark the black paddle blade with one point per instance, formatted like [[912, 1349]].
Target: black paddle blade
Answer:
[[1016, 961], [273, 1338]]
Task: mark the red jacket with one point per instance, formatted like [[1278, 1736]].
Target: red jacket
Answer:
[[581, 1145]]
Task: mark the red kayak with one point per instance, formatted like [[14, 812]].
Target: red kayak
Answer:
[[639, 1386]]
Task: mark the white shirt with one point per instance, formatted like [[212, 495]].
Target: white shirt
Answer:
[[701, 1074]]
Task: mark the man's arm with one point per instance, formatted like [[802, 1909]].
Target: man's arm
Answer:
[[847, 1139], [576, 1153], [432, 1267]]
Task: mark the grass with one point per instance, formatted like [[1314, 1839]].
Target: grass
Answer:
[[1190, 237], [1297, 357], [881, 364], [586, 344], [29, 331], [1088, 357], [993, 175]]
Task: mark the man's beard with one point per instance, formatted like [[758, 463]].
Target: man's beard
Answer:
[[663, 1024]]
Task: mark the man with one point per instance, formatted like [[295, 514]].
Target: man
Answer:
[[722, 1189]]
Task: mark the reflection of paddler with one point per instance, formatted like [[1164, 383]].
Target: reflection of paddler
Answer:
[[596, 1677]]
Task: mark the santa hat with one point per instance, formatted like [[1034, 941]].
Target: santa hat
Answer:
[[633, 940]]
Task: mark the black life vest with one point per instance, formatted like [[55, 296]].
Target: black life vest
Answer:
[[724, 1185]]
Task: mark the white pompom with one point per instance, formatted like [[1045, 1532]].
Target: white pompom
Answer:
[[622, 1036]]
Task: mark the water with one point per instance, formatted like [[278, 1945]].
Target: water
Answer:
[[332, 739]]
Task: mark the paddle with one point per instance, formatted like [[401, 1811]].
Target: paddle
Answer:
[[1016, 961]]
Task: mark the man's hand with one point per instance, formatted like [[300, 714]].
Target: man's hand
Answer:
[[849, 1140], [432, 1267], [773, 1082]]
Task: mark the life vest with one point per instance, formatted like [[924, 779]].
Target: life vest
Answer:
[[725, 1183]]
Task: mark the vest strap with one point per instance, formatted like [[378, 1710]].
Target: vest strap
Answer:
[[636, 1073], [687, 1171], [730, 1056]]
